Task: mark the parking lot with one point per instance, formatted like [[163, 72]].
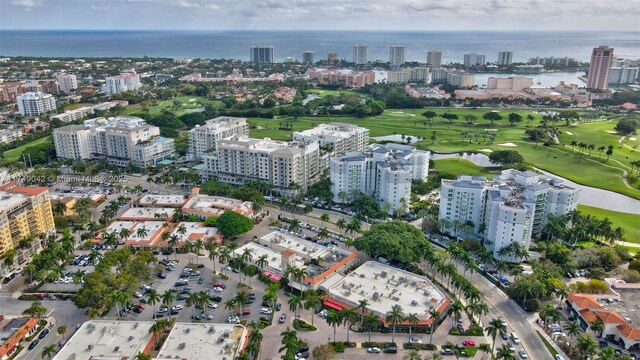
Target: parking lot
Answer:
[[205, 281]]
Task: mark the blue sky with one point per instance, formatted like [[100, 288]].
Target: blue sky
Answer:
[[613, 15]]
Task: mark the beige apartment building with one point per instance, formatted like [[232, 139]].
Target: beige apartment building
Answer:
[[202, 139]]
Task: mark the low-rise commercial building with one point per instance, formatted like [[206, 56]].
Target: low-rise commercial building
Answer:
[[507, 210], [13, 330], [35, 103], [383, 171], [383, 287], [512, 83], [282, 250], [163, 200], [204, 206]]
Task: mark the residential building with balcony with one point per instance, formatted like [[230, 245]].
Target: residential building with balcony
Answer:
[[35, 103], [202, 139]]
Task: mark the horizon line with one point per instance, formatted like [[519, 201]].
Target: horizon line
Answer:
[[327, 30]]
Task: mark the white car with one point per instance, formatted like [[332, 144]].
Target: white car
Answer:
[[323, 313], [218, 289], [523, 354], [213, 305], [266, 311], [137, 295], [209, 317], [415, 341], [559, 357], [178, 307], [233, 319], [373, 350]]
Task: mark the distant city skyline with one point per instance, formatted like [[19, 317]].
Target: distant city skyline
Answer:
[[537, 15]]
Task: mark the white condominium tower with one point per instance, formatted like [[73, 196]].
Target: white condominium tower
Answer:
[[67, 82], [434, 58], [35, 103], [507, 210], [121, 83], [360, 54], [383, 171], [336, 138], [122, 140], [280, 163], [202, 139], [397, 55]]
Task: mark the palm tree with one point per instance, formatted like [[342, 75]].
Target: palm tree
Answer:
[[173, 242], [435, 315], [370, 323], [290, 343], [505, 354], [312, 302], [262, 262], [362, 306], [434, 356], [608, 353], [496, 326], [334, 319], [413, 355], [295, 302], [456, 311], [598, 326], [341, 224], [349, 317], [153, 297], [213, 253], [324, 218], [48, 351], [230, 305], [193, 299], [572, 328], [412, 319], [62, 329], [167, 298], [586, 345], [394, 317]]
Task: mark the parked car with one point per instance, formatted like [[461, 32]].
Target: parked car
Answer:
[[446, 351], [43, 333], [265, 318], [460, 328], [522, 353], [34, 344], [515, 338], [504, 335], [468, 343], [373, 350], [215, 298], [415, 341], [390, 350], [278, 306], [246, 312]]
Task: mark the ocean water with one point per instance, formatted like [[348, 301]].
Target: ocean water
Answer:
[[235, 44]]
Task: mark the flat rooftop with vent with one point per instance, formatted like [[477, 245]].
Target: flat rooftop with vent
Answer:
[[383, 287], [197, 341], [204, 206], [163, 200], [109, 340], [283, 250], [148, 213]]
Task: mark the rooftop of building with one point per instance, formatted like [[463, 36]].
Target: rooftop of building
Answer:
[[34, 95], [193, 341], [151, 227], [334, 129], [273, 257], [107, 339], [194, 231], [221, 123], [384, 286], [207, 205], [163, 200], [148, 213]]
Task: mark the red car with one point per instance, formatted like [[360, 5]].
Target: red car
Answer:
[[246, 312], [469, 343], [138, 309], [220, 285]]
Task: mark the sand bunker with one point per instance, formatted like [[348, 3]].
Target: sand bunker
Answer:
[[486, 150], [508, 144], [490, 129], [611, 132], [568, 133], [632, 139]]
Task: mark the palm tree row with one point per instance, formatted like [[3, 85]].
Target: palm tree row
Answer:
[[575, 227]]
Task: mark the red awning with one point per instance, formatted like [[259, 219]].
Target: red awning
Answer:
[[331, 304], [272, 276]]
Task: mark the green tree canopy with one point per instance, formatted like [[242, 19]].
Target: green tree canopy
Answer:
[[395, 240], [628, 125], [233, 224], [506, 157]]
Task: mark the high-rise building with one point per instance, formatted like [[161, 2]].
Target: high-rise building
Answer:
[[122, 140], [398, 76], [67, 82], [121, 83], [202, 139], [505, 58], [261, 54], [397, 55], [507, 210], [353, 79], [473, 59], [360, 54], [623, 72], [35, 103], [438, 74], [307, 57], [280, 163], [434, 58], [601, 59], [461, 79], [332, 58], [336, 138], [383, 171], [421, 74], [25, 212]]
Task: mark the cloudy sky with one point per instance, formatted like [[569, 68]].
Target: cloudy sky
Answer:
[[622, 15]]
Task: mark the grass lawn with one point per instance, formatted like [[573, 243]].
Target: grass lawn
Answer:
[[582, 168], [323, 93], [547, 345], [186, 103], [462, 167], [14, 154], [629, 222]]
